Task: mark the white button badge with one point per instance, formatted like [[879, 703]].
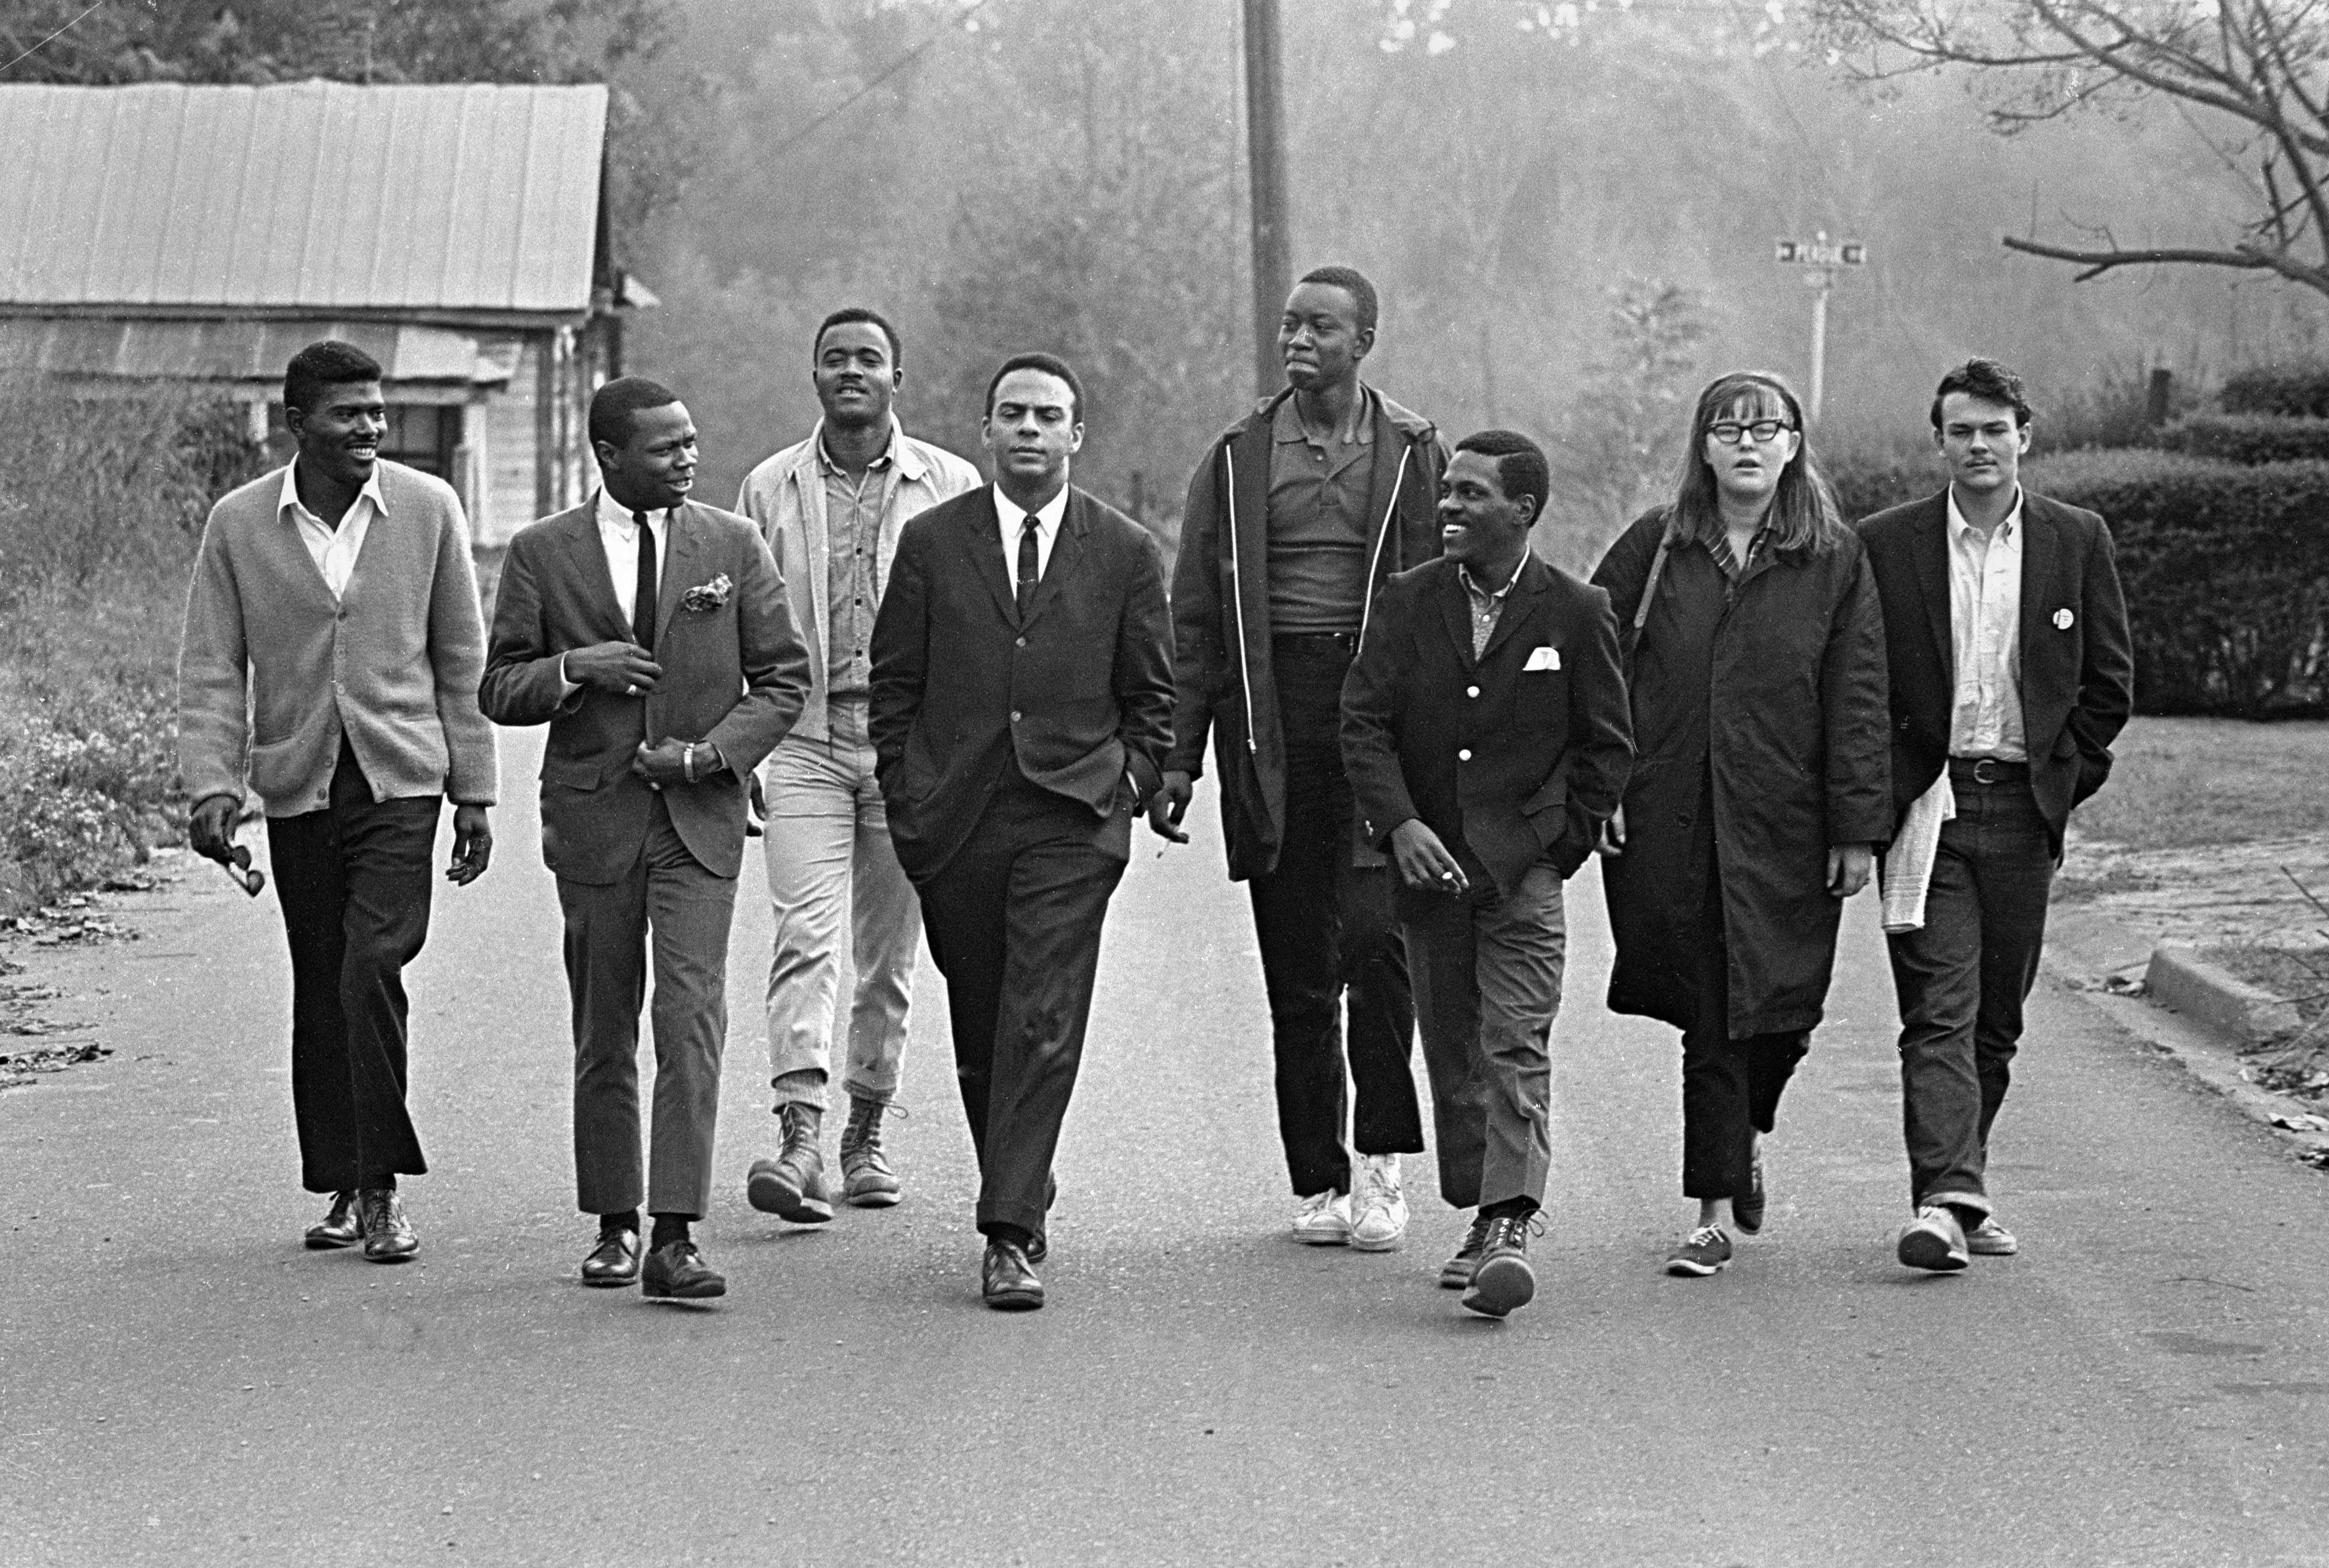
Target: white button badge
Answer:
[[2062, 619]]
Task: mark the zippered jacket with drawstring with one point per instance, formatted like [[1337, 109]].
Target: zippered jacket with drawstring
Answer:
[[1223, 684]]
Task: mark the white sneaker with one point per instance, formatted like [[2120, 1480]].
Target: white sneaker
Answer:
[[1323, 1219], [1378, 1205]]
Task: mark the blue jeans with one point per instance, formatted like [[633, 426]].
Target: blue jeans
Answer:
[[1962, 980]]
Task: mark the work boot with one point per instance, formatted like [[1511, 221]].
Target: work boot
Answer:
[[792, 1186], [866, 1178]]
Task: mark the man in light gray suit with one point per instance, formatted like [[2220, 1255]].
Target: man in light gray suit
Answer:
[[651, 635]]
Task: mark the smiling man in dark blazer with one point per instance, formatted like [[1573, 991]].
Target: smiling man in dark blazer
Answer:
[[1022, 705], [651, 635], [2010, 675], [1486, 738]]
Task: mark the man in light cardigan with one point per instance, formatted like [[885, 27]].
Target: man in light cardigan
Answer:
[[333, 633]]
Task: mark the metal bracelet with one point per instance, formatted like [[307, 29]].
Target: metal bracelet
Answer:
[[687, 761]]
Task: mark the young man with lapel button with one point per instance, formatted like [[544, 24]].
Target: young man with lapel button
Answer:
[[332, 630], [651, 635], [1023, 700], [1485, 732], [830, 508], [2007, 640], [1295, 517]]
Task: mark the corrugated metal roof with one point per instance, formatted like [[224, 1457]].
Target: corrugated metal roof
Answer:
[[315, 195], [244, 349]]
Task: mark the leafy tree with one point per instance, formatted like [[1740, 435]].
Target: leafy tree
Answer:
[[2251, 78]]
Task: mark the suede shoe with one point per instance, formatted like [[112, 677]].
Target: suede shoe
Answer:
[[1988, 1239], [614, 1261], [1502, 1282], [1935, 1241], [1456, 1272], [1746, 1208], [1005, 1281], [792, 1186], [339, 1228], [388, 1235], [1703, 1251], [676, 1272]]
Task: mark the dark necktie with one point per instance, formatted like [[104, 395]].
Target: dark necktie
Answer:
[[1028, 574], [643, 608]]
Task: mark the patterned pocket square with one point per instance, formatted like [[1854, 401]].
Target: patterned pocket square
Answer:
[[705, 597]]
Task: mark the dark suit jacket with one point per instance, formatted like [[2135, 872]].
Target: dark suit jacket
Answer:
[[1079, 694], [735, 675], [1508, 765], [2078, 669]]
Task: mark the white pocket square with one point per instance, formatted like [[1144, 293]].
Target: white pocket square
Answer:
[[1543, 659]]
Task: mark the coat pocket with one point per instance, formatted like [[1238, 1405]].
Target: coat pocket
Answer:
[[572, 773]]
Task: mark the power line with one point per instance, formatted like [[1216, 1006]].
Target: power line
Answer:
[[51, 38], [886, 72]]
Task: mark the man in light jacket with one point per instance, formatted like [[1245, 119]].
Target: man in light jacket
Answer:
[[333, 633], [830, 508]]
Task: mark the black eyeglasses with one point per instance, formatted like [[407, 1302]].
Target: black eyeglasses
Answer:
[[1730, 432]]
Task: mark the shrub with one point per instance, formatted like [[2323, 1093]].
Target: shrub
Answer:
[[2296, 389], [2248, 438], [1864, 491], [101, 503], [2226, 570]]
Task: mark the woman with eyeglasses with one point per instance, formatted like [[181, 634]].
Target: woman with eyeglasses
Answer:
[[1755, 650]]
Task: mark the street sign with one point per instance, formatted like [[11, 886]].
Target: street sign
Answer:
[[1820, 253]]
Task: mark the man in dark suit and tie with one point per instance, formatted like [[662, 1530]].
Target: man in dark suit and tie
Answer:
[[1486, 737], [2011, 674], [1021, 704], [651, 633]]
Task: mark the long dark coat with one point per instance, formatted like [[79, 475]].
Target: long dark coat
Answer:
[[1766, 702]]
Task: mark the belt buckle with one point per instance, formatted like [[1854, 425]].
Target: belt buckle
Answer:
[[1980, 773]]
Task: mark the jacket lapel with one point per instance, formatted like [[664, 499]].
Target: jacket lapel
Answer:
[[1929, 551], [982, 541], [589, 557], [679, 552], [2038, 553], [1455, 615], [815, 540], [1067, 554], [1389, 457], [1520, 605]]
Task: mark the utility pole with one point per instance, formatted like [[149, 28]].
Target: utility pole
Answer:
[[1821, 262], [1265, 118]]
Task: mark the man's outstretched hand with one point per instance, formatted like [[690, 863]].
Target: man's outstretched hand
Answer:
[[210, 828], [1168, 805], [473, 845]]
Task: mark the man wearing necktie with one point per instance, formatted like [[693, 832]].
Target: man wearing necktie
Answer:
[[1023, 702], [651, 633]]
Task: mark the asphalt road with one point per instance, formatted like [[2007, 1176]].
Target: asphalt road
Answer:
[[181, 1383]]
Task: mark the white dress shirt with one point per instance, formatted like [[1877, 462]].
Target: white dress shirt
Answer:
[[1985, 636], [618, 531], [333, 549], [1010, 516], [618, 535]]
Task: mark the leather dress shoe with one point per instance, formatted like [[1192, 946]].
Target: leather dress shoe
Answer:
[[338, 1229], [1006, 1281], [676, 1272], [614, 1261], [1038, 1248], [388, 1235]]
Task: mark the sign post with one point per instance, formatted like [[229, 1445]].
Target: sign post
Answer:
[[1821, 261]]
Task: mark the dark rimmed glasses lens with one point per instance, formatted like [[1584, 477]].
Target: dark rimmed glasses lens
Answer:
[[1730, 432]]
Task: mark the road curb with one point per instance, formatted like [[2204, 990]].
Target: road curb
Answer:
[[2177, 978], [2202, 1017]]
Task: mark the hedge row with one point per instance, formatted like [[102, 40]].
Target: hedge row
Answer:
[[2299, 391], [2248, 438], [2226, 569]]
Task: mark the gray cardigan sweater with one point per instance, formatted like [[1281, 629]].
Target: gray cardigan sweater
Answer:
[[394, 664]]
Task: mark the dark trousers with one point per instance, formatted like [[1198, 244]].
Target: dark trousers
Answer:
[[1013, 921], [1962, 979], [1326, 927], [1488, 984], [1730, 1088], [354, 881], [668, 896]]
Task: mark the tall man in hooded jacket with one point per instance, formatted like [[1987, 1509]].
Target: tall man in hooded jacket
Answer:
[[1295, 517]]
